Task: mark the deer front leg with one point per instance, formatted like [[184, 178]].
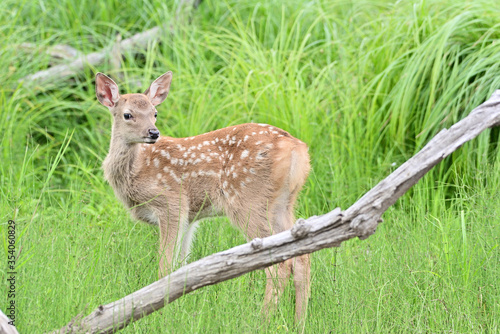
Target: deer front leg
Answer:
[[172, 228]]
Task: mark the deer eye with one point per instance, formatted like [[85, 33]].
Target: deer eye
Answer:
[[127, 116]]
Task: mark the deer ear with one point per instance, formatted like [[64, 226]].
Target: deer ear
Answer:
[[106, 90], [158, 91]]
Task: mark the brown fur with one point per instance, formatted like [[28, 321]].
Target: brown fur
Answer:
[[252, 173]]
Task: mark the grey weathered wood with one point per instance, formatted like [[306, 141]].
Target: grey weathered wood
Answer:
[[60, 72], [5, 327], [58, 51], [307, 236], [139, 41]]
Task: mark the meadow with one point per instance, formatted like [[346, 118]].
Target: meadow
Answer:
[[365, 84]]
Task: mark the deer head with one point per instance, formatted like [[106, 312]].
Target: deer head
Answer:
[[134, 115]]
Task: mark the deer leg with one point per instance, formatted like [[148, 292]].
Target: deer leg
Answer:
[[302, 282], [186, 241], [277, 278], [172, 228]]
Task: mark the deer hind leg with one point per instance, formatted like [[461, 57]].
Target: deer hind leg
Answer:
[[302, 282], [296, 168], [277, 278], [299, 266], [301, 272]]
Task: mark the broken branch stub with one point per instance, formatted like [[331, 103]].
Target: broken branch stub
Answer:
[[308, 236]]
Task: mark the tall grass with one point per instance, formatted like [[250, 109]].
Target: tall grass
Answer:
[[365, 83]]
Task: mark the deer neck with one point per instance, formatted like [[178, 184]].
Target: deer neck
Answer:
[[120, 166]]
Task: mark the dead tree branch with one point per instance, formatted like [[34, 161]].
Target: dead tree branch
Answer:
[[307, 236], [139, 41], [5, 325]]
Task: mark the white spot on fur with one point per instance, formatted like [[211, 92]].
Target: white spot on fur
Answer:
[[148, 161], [156, 162], [206, 143], [244, 154], [224, 185], [176, 179], [252, 171], [158, 176], [259, 142], [211, 173], [235, 175], [153, 148], [254, 133], [165, 154], [197, 161], [262, 124], [245, 138], [174, 161], [203, 156]]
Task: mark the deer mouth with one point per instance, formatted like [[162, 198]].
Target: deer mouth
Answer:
[[149, 140]]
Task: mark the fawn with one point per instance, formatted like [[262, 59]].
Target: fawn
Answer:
[[251, 173]]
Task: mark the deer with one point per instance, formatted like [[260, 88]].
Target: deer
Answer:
[[251, 173]]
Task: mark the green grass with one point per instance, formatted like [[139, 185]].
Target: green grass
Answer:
[[364, 83]]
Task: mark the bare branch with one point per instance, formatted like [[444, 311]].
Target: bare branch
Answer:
[[59, 51], [5, 326], [307, 236], [139, 41]]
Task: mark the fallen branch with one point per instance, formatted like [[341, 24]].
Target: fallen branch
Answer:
[[139, 41], [307, 236], [59, 51], [60, 72], [5, 326]]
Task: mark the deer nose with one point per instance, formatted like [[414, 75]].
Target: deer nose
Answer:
[[153, 133]]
